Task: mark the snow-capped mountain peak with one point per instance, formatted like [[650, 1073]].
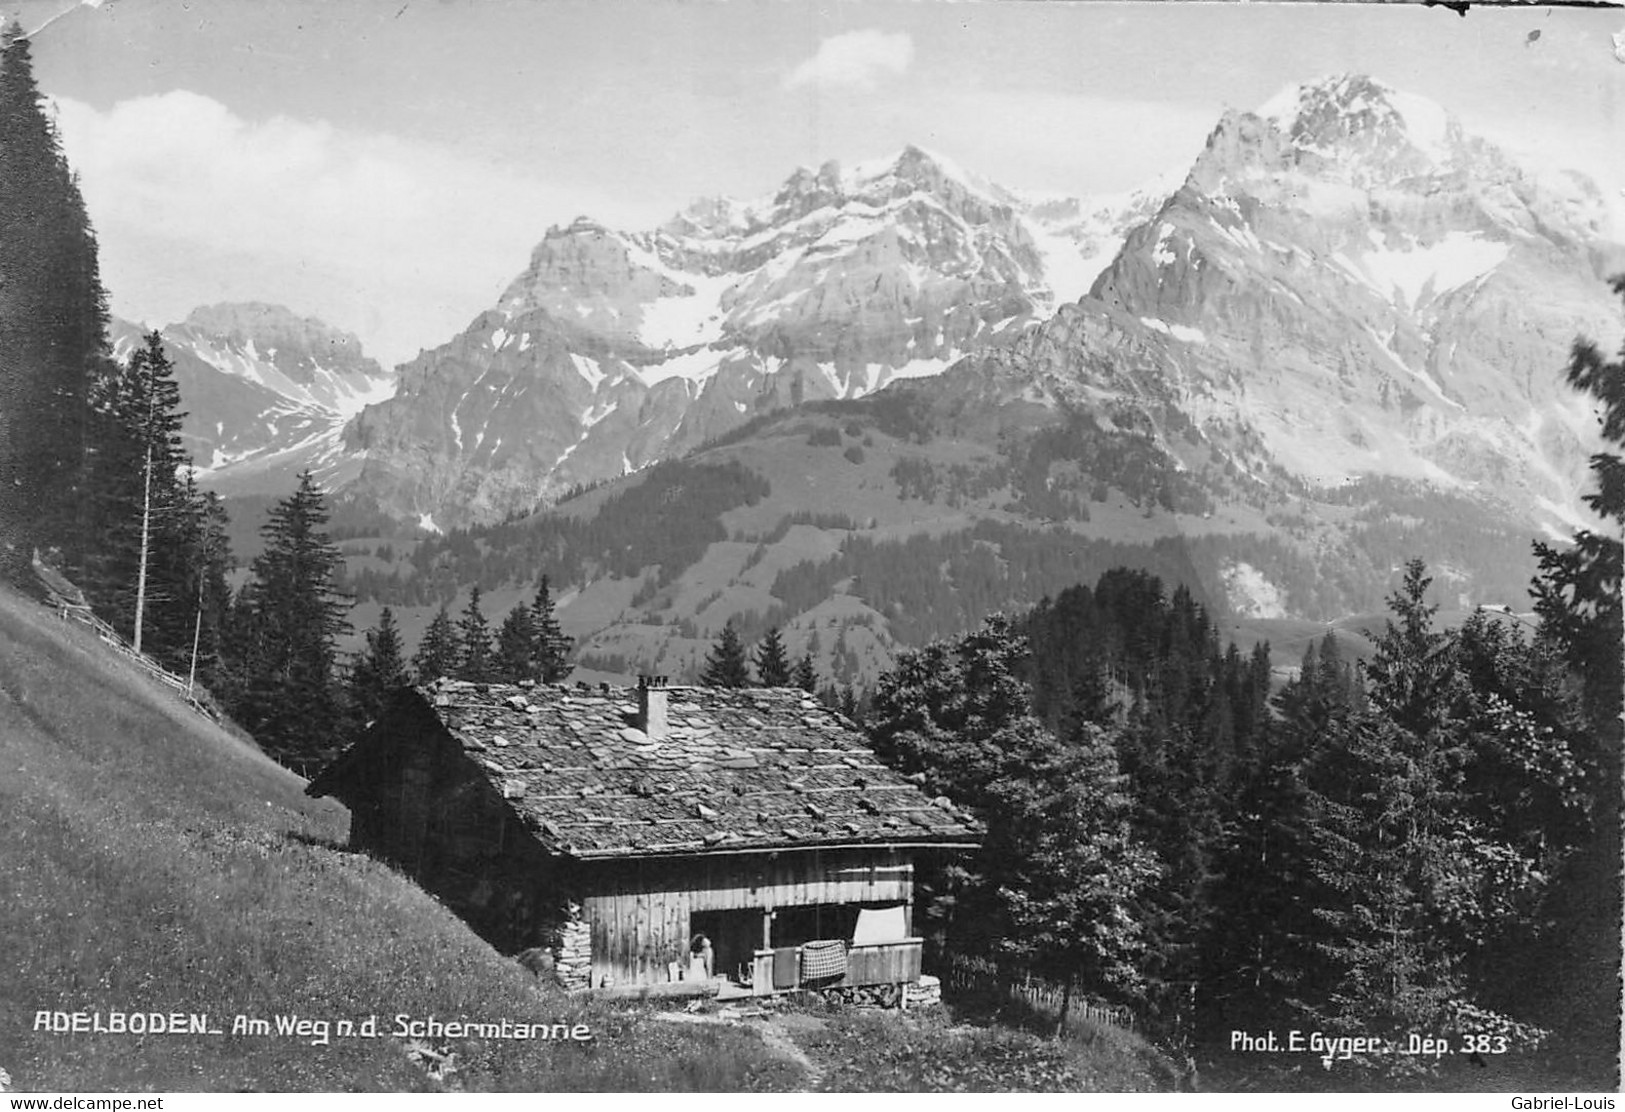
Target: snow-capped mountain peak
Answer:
[[840, 281], [1345, 276], [1350, 112]]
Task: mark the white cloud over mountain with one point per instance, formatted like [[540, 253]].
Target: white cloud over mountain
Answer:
[[421, 233], [855, 59]]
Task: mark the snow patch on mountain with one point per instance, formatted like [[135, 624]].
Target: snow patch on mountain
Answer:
[[698, 366], [1412, 272], [1250, 593], [589, 370], [1178, 331]]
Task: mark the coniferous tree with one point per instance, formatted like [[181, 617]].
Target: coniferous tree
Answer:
[[439, 652], [516, 647], [725, 666], [805, 676], [851, 706], [146, 510], [550, 653], [1416, 882], [1062, 875], [1577, 590], [209, 566], [1264, 946], [53, 324], [242, 651], [474, 637], [1577, 594], [1067, 864], [772, 665], [830, 696], [379, 671], [292, 703]]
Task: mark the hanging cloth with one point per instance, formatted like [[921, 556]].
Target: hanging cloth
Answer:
[[823, 959]]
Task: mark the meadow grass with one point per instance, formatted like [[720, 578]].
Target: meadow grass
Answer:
[[937, 1050]]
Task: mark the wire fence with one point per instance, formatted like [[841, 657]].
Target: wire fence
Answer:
[[70, 606], [981, 977]]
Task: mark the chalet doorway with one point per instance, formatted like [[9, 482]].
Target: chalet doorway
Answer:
[[735, 937]]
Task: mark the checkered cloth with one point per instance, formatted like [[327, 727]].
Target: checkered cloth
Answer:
[[823, 959]]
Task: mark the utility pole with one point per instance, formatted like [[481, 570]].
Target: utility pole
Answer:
[[146, 535], [197, 632]]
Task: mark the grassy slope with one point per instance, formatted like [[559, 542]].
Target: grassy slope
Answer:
[[151, 862], [957, 1049]]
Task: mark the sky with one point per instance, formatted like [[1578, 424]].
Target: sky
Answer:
[[388, 166]]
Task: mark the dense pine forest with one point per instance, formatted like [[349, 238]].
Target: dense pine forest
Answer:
[[1411, 844], [1424, 841]]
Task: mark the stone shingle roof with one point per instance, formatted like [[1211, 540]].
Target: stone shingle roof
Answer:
[[752, 768]]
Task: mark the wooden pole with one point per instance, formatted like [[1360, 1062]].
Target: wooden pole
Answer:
[[197, 632], [146, 532]]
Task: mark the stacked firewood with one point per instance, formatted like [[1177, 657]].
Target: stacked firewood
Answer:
[[925, 993], [573, 964]]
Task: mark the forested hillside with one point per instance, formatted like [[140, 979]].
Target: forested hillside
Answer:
[[1411, 846]]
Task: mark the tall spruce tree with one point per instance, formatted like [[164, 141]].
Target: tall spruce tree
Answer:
[[1416, 880], [1577, 594], [1068, 867], [772, 665], [725, 666], [1577, 590], [474, 637], [1061, 876], [550, 652], [147, 512], [379, 671], [291, 703], [1263, 947], [210, 567], [516, 647], [53, 324], [439, 651], [805, 676]]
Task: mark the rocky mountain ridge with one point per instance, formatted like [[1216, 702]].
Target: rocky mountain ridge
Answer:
[[267, 393], [1347, 242], [614, 349], [1347, 285]]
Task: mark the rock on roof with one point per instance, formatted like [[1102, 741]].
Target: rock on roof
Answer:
[[748, 768]]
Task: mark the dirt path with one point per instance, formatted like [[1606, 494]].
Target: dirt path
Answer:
[[776, 1034], [776, 1031]]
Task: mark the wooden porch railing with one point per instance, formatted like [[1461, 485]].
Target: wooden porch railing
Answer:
[[872, 963]]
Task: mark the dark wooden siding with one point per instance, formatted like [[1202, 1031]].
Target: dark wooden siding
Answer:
[[420, 803]]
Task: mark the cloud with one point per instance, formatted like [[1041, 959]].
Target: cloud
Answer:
[[400, 240], [856, 59]]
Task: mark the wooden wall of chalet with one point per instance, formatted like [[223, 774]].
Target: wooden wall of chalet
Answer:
[[639, 909], [423, 806]]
